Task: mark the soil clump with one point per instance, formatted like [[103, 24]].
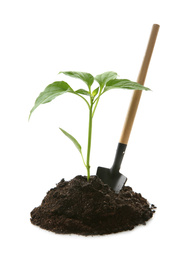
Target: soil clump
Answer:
[[90, 207]]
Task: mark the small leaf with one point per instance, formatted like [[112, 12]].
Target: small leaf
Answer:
[[123, 84], [78, 146], [83, 92], [95, 92], [103, 78], [84, 76], [53, 90]]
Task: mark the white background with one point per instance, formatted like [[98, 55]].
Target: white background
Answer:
[[41, 38]]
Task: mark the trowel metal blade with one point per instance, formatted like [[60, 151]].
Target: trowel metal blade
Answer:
[[115, 180]]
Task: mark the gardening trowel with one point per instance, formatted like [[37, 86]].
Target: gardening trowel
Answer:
[[112, 176]]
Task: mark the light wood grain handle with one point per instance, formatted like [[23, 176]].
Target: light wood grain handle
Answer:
[[137, 93]]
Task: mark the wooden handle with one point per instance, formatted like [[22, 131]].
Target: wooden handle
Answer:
[[137, 93]]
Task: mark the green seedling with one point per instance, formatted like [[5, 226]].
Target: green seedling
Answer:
[[106, 81]]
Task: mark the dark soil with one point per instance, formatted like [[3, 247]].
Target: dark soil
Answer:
[[90, 208]]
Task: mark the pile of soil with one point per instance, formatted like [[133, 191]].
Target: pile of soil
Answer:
[[90, 208]]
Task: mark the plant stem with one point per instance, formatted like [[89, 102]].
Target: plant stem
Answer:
[[95, 106], [83, 99], [96, 101], [89, 138]]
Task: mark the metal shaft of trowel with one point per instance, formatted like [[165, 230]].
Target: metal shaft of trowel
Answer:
[[118, 157]]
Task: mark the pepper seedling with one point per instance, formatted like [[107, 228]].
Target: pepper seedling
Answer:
[[107, 81]]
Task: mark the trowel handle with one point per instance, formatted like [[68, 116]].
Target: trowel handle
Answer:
[[137, 93]]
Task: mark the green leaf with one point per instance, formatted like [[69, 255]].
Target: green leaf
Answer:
[[51, 91], [123, 84], [83, 92], [95, 92], [103, 78], [78, 146], [84, 76]]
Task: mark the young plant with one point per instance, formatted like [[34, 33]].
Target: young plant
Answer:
[[106, 81]]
